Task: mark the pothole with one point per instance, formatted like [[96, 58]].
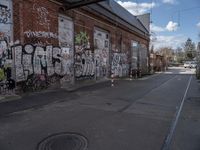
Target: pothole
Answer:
[[64, 141]]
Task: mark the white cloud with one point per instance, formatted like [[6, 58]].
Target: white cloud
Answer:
[[169, 41], [137, 8], [172, 26], [155, 28], [169, 1], [198, 24]]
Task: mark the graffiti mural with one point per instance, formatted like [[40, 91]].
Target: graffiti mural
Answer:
[[5, 20], [49, 60], [120, 66], [7, 84], [66, 42], [101, 53], [42, 15], [40, 64], [5, 14], [84, 58], [3, 53], [84, 65], [6, 81], [42, 33]]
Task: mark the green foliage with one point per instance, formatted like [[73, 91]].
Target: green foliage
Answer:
[[180, 59], [189, 48], [2, 75], [81, 38]]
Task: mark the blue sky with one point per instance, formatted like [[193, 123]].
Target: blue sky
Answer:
[[173, 21]]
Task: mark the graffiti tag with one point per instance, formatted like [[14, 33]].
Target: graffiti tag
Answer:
[[5, 14]]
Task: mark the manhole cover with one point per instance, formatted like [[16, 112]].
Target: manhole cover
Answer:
[[63, 141]]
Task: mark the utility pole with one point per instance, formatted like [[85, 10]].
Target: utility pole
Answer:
[[198, 61]]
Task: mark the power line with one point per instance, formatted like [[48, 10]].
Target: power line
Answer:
[[178, 12], [188, 9], [151, 11], [137, 9]]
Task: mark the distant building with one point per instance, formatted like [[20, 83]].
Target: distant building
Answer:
[[158, 62]]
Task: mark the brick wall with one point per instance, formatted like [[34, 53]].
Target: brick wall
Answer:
[[101, 47], [42, 15], [36, 22]]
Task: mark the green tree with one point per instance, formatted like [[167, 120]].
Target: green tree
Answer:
[[190, 50]]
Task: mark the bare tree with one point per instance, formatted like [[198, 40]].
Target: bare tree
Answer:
[[168, 52], [180, 55]]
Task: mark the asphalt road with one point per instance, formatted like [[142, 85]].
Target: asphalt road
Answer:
[[132, 115]]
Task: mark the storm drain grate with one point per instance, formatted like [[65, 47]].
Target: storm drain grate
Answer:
[[64, 141]]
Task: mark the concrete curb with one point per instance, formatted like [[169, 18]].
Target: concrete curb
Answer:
[[77, 87], [72, 88], [7, 98]]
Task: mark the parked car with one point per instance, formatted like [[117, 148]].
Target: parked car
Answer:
[[193, 65], [187, 64], [190, 64]]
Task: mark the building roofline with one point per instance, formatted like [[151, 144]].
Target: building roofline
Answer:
[[123, 21]]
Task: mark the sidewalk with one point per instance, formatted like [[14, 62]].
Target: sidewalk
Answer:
[[9, 97], [13, 103], [79, 85], [188, 128], [69, 88]]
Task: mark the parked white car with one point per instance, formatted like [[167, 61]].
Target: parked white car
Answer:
[[187, 64], [193, 65], [190, 64]]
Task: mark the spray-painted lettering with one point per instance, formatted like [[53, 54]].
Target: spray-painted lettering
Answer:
[[47, 60], [120, 66], [40, 34], [5, 14]]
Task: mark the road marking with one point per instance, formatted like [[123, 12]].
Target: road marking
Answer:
[[168, 139], [151, 76], [130, 104]]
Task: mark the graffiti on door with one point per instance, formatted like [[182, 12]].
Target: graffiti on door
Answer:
[[101, 53], [84, 58], [120, 66], [66, 42]]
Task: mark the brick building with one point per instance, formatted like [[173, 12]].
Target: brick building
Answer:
[[69, 44]]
